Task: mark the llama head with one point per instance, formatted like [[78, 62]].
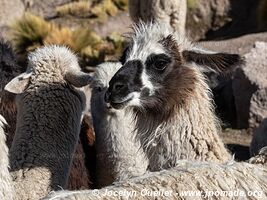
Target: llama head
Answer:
[[102, 76], [161, 69], [50, 64]]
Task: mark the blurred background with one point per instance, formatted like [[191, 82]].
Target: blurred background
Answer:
[[95, 29]]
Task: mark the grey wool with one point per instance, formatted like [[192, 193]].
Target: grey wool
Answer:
[[48, 121], [119, 154]]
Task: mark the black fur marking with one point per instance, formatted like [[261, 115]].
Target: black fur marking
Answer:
[[157, 62], [125, 81]]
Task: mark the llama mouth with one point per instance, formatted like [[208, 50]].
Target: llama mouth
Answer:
[[119, 104]]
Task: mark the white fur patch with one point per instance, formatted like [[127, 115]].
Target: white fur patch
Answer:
[[147, 83], [135, 99]]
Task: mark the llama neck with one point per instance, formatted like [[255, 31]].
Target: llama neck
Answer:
[[6, 189], [191, 133], [118, 148], [48, 123]]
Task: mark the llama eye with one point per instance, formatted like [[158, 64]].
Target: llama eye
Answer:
[[160, 65], [158, 62]]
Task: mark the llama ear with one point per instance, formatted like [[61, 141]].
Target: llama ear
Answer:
[[124, 55], [78, 78], [19, 84], [211, 61]]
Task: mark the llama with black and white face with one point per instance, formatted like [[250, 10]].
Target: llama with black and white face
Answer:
[[162, 81]]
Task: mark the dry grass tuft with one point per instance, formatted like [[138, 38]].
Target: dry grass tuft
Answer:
[[80, 8], [121, 4], [31, 32], [97, 9], [104, 9], [118, 42]]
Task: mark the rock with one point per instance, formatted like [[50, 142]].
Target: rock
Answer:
[[258, 107], [120, 23], [9, 11], [45, 9], [204, 15], [250, 88], [222, 84], [213, 19], [259, 139], [172, 12], [241, 45]]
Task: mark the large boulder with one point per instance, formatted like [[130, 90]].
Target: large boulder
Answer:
[[206, 15], [241, 45], [250, 88], [258, 106], [9, 11], [168, 12], [222, 85], [213, 19]]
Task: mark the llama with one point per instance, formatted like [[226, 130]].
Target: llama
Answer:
[[119, 155], [161, 81], [48, 121], [10, 69], [188, 180]]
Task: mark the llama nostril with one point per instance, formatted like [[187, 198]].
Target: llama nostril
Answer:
[[107, 97], [118, 86]]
